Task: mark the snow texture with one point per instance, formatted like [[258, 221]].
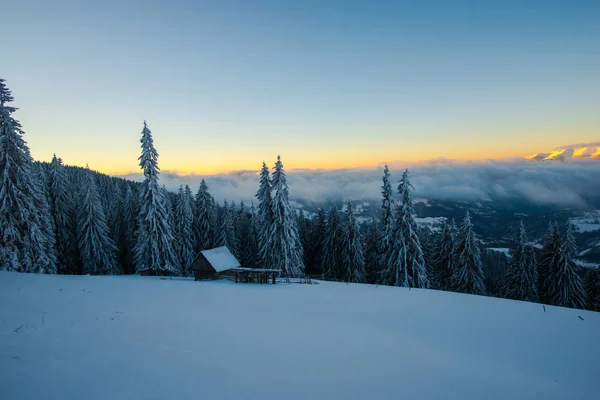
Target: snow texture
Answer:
[[221, 258], [132, 337]]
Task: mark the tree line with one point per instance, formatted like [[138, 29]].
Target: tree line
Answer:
[[70, 220]]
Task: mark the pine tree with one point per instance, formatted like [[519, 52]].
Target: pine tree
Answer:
[[116, 223], [183, 228], [331, 261], [352, 255], [591, 285], [63, 211], [372, 259], [316, 240], [548, 260], [265, 212], [27, 240], [565, 288], [283, 248], [427, 247], [232, 235], [468, 274], [250, 248], [442, 265], [405, 264], [154, 250], [203, 218], [98, 250], [221, 231], [129, 229], [520, 281], [387, 221]]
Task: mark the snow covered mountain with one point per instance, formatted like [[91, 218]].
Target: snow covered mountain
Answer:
[[592, 152]]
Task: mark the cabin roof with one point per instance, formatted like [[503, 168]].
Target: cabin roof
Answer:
[[221, 259]]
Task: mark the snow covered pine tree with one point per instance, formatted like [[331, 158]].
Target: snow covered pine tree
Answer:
[[26, 227], [468, 274], [520, 281], [283, 248], [353, 258], [154, 252], [565, 288], [98, 250], [405, 264]]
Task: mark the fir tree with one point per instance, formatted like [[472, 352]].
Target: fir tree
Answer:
[[387, 221], [442, 265], [265, 212], [591, 284], [203, 218], [183, 228], [63, 211], [520, 281], [352, 254], [154, 250], [116, 223], [468, 274], [316, 241], [565, 288], [405, 264], [129, 229], [548, 260], [231, 231], [331, 261], [250, 248], [98, 250], [372, 259], [27, 240], [283, 249]]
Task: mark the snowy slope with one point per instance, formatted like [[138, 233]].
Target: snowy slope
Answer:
[[131, 337]]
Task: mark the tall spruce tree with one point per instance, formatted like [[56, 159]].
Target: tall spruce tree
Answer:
[[316, 241], [331, 261], [232, 231], [129, 229], [27, 241], [183, 228], [565, 288], [372, 262], [250, 249], [468, 274], [154, 250], [442, 264], [203, 218], [548, 260], [265, 212], [520, 280], [98, 250], [63, 210], [353, 260], [116, 223], [591, 284], [283, 248], [405, 264], [387, 220]]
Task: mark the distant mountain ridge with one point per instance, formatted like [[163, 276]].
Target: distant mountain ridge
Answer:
[[592, 152]]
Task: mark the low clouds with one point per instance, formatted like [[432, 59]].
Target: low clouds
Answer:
[[572, 184]]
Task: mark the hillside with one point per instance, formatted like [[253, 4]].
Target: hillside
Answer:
[[130, 337]]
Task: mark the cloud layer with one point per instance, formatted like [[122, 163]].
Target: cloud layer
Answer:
[[573, 184]]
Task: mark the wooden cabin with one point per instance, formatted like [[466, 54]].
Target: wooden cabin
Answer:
[[219, 262], [209, 264]]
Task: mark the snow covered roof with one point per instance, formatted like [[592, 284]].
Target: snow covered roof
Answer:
[[221, 259]]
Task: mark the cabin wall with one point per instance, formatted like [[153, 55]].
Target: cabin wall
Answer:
[[202, 268]]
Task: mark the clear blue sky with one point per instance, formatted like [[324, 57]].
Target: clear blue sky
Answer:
[[226, 84]]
